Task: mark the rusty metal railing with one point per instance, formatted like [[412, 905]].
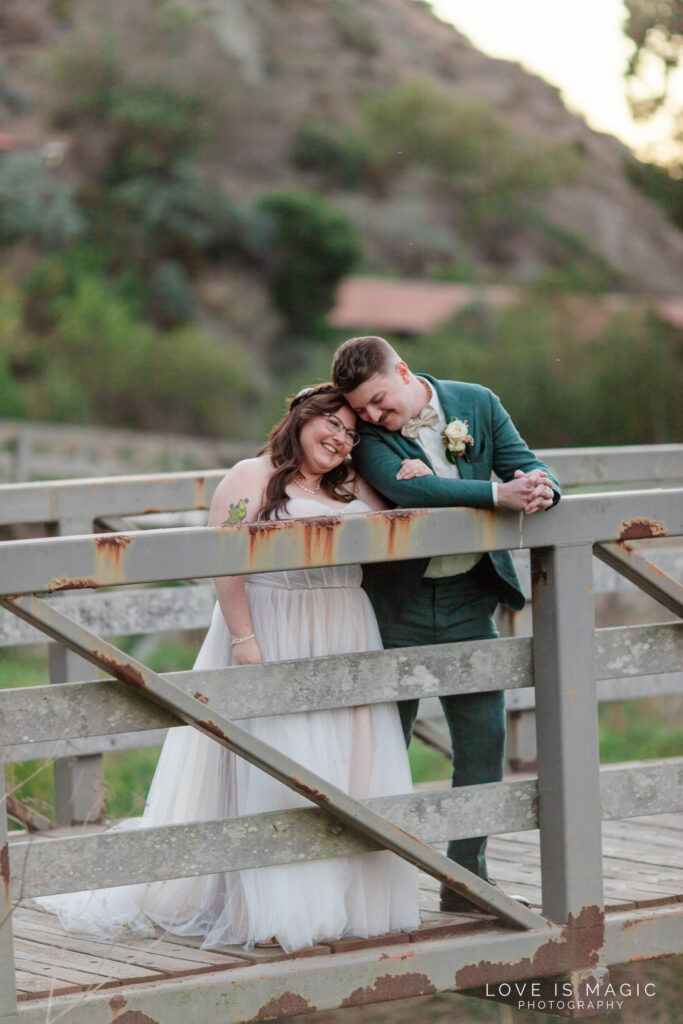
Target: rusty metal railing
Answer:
[[573, 931]]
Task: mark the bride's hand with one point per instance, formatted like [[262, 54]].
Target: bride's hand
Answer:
[[413, 467], [248, 653]]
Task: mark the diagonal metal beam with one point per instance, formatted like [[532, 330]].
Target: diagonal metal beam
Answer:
[[193, 711], [628, 562]]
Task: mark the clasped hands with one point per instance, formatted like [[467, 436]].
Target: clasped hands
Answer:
[[526, 492]]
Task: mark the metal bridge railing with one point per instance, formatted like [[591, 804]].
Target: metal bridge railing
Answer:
[[567, 801]]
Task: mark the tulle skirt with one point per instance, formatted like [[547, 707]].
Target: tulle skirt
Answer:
[[361, 750]]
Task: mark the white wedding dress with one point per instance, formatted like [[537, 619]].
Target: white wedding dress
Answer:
[[304, 613]]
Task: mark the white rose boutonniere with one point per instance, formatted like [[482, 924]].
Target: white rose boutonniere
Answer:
[[455, 438]]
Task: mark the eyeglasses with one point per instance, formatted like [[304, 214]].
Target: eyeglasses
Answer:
[[336, 426]]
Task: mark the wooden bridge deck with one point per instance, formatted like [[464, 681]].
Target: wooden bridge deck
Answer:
[[643, 867]]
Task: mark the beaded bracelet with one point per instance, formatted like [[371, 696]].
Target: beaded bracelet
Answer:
[[242, 639]]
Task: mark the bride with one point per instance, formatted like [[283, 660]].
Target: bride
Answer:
[[303, 470]]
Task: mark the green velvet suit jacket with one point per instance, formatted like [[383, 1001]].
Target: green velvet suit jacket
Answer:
[[498, 447]]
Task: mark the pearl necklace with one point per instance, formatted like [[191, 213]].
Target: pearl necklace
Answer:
[[309, 490]]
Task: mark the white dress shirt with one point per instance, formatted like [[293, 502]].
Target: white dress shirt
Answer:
[[429, 437]]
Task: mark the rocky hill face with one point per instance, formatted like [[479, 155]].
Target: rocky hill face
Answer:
[[281, 64]]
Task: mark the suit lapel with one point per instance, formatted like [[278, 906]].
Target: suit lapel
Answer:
[[453, 405]]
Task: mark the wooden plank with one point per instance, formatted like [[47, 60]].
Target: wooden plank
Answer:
[[116, 951], [183, 949], [62, 973], [100, 967], [34, 986]]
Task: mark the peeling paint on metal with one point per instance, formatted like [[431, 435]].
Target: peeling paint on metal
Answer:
[[577, 948], [123, 670], [135, 1017], [636, 529], [287, 1005], [391, 986], [71, 583], [117, 1003]]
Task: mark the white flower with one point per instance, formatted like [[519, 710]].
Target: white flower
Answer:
[[455, 437]]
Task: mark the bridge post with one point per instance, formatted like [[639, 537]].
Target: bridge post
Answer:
[[79, 781], [8, 992], [568, 755]]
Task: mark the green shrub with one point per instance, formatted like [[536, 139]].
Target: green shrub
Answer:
[[340, 152], [315, 246], [466, 144], [566, 381], [86, 70], [156, 126], [35, 204], [183, 216], [171, 301]]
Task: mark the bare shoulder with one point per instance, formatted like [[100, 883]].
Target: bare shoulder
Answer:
[[239, 495], [362, 490]]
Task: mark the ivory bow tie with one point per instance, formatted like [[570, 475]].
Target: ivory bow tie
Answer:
[[427, 417]]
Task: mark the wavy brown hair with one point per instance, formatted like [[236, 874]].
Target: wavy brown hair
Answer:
[[286, 453]]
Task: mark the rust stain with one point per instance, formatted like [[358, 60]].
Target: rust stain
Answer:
[[111, 545], [71, 583], [135, 1017], [397, 956], [109, 549], [311, 792], [199, 498], [211, 726], [262, 533], [287, 1005], [398, 522], [122, 670], [4, 870], [391, 986], [150, 511], [577, 948], [201, 697], [117, 1003], [319, 538], [637, 529], [489, 526]]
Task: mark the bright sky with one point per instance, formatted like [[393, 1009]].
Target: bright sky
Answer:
[[577, 45]]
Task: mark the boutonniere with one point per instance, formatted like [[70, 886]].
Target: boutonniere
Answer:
[[455, 438]]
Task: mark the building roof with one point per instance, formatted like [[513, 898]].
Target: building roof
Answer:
[[395, 306], [406, 306]]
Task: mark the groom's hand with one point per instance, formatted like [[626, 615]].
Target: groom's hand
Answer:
[[526, 492]]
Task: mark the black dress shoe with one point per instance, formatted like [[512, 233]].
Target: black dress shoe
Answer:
[[452, 903]]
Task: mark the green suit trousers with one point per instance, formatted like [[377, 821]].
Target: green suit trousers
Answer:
[[444, 611]]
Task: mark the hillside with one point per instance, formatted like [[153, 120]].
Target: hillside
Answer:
[[280, 62], [211, 167]]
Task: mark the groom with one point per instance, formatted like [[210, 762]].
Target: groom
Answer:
[[407, 454]]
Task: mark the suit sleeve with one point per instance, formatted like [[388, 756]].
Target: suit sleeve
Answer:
[[378, 462], [510, 450]]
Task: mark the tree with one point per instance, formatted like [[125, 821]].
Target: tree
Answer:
[[656, 28]]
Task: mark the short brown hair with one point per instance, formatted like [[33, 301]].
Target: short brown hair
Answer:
[[358, 359]]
